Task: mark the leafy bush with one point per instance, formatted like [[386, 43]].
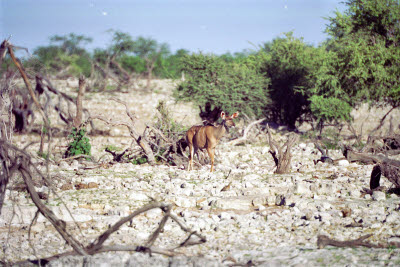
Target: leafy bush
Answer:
[[229, 86], [80, 144], [364, 53], [329, 109], [139, 161], [290, 64]]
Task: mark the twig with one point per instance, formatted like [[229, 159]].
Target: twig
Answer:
[[34, 220], [186, 229], [245, 133]]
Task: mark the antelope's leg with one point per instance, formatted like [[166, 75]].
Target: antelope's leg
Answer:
[[190, 164], [211, 152]]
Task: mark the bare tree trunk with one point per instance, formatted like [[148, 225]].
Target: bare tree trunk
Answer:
[[150, 67], [122, 70], [282, 155], [79, 108], [245, 133], [6, 129]]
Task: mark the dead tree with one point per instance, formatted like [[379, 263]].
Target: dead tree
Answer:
[[6, 126], [139, 139], [282, 154], [77, 121], [4, 154]]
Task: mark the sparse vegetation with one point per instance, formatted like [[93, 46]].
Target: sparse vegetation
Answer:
[[80, 144]]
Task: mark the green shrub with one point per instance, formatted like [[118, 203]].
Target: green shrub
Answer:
[[229, 86], [290, 64], [329, 109], [80, 144], [139, 161]]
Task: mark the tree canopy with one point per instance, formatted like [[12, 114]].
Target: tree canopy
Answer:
[[286, 79]]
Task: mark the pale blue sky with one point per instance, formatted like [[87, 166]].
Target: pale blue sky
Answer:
[[216, 26]]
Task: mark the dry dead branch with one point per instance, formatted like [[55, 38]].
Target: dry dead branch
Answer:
[[281, 154], [245, 133], [78, 118], [142, 142], [324, 154], [385, 166], [324, 241]]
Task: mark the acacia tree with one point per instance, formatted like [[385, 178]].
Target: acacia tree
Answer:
[[65, 55], [130, 57], [170, 66], [71, 43], [290, 64], [150, 51], [363, 55], [228, 86]]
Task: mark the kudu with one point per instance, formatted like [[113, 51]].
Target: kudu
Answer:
[[200, 137]]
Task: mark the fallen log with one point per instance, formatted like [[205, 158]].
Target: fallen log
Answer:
[[385, 166], [324, 241]]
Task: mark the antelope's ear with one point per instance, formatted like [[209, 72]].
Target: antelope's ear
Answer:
[[234, 115], [223, 115]]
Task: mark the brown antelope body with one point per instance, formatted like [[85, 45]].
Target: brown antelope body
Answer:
[[200, 137]]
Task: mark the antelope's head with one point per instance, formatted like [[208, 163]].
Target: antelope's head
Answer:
[[227, 121]]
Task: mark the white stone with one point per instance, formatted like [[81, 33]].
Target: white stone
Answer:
[[393, 218], [64, 165], [225, 216], [154, 213], [302, 145], [115, 131], [343, 162], [185, 202], [378, 195], [138, 196], [239, 203], [75, 165], [252, 177], [302, 188], [259, 201], [355, 193]]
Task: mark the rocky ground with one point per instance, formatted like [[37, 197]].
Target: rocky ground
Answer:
[[248, 214]]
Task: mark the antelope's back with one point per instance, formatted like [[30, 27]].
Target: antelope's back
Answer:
[[191, 132]]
